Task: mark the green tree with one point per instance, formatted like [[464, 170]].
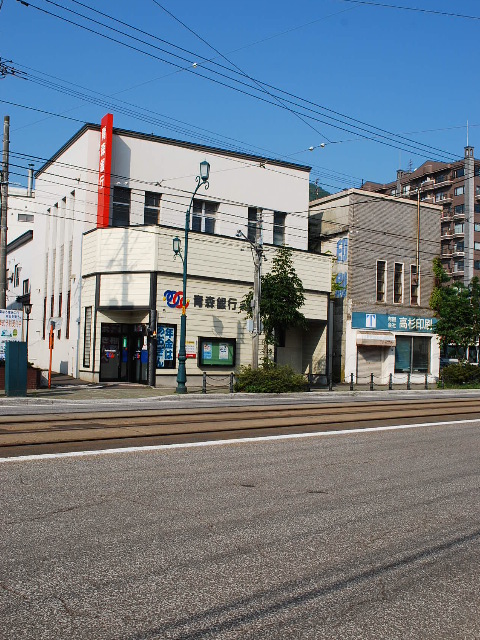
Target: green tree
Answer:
[[281, 299], [457, 308]]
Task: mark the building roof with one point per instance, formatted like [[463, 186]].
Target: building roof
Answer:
[[20, 241], [171, 141], [370, 195]]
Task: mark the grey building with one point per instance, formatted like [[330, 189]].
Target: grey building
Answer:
[[382, 249], [456, 187]]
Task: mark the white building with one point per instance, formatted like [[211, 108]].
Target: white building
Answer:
[[104, 261]]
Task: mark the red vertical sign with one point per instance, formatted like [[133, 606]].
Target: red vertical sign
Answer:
[[104, 171]]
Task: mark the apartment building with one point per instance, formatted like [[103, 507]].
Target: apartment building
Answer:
[[456, 187], [110, 204], [382, 250]]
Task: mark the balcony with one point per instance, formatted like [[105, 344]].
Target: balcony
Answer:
[[447, 199], [458, 253], [447, 233], [427, 200], [428, 184], [444, 183], [459, 216]]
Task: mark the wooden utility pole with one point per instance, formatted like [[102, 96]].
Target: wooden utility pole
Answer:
[[3, 214], [257, 286]]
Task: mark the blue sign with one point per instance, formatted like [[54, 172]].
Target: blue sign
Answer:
[[342, 250], [165, 346], [341, 281], [387, 322]]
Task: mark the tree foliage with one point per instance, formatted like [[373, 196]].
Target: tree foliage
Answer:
[[457, 308], [282, 296]]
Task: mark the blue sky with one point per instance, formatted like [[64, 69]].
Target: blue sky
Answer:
[[398, 70]]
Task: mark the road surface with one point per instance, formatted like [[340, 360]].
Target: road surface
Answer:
[[358, 535]]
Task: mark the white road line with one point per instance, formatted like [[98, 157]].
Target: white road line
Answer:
[[214, 443]]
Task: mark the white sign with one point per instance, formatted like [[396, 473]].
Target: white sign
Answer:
[[223, 351], [10, 328]]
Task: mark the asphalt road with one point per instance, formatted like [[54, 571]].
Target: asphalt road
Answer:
[[372, 535]]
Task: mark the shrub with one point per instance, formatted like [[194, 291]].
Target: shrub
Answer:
[[269, 379], [458, 374]]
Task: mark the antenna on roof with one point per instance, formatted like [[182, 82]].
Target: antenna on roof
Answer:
[[467, 133]]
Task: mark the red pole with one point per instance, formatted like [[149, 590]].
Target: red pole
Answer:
[[50, 344]]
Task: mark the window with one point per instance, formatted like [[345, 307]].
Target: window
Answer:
[[458, 266], [25, 217], [440, 196], [460, 246], [476, 265], [278, 228], [121, 207], [477, 226], [459, 209], [443, 177], [477, 246], [16, 276], [459, 173], [398, 283], [26, 287], [151, 211], [412, 354], [44, 328], [414, 285], [381, 280], [477, 190], [459, 227], [252, 223], [87, 337], [59, 333], [203, 217], [477, 171], [459, 191], [476, 208], [67, 323], [217, 352]]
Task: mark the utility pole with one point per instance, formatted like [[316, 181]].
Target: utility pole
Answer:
[[3, 215], [257, 288]]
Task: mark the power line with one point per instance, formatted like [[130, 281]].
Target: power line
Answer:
[[380, 137], [448, 14]]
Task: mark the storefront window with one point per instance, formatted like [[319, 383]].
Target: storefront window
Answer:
[[412, 354]]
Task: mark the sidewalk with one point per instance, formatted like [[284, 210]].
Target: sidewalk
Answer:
[[67, 388]]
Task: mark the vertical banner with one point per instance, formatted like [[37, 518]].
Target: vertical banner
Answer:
[[104, 171]]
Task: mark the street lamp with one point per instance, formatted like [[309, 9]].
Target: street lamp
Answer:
[[28, 310], [202, 180]]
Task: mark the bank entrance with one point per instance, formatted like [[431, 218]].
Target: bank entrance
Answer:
[[123, 353]]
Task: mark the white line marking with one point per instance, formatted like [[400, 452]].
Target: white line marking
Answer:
[[213, 443]]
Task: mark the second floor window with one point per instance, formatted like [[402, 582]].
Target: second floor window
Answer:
[[151, 211], [252, 223], [26, 287], [398, 283], [279, 228], [204, 215], [414, 285], [381, 280], [121, 207], [16, 276], [459, 191]]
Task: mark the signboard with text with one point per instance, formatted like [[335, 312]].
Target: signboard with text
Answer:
[[387, 322], [10, 328], [104, 171]]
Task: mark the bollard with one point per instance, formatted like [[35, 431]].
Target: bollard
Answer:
[[231, 382], [204, 383], [330, 383], [409, 386], [371, 382], [390, 382], [426, 381], [351, 382]]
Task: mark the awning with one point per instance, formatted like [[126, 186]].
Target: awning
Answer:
[[376, 339]]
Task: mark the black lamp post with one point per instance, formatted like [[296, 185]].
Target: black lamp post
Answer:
[[28, 310], [202, 180]]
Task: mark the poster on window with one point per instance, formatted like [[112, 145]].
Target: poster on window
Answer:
[[207, 351], [166, 346], [10, 328]]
